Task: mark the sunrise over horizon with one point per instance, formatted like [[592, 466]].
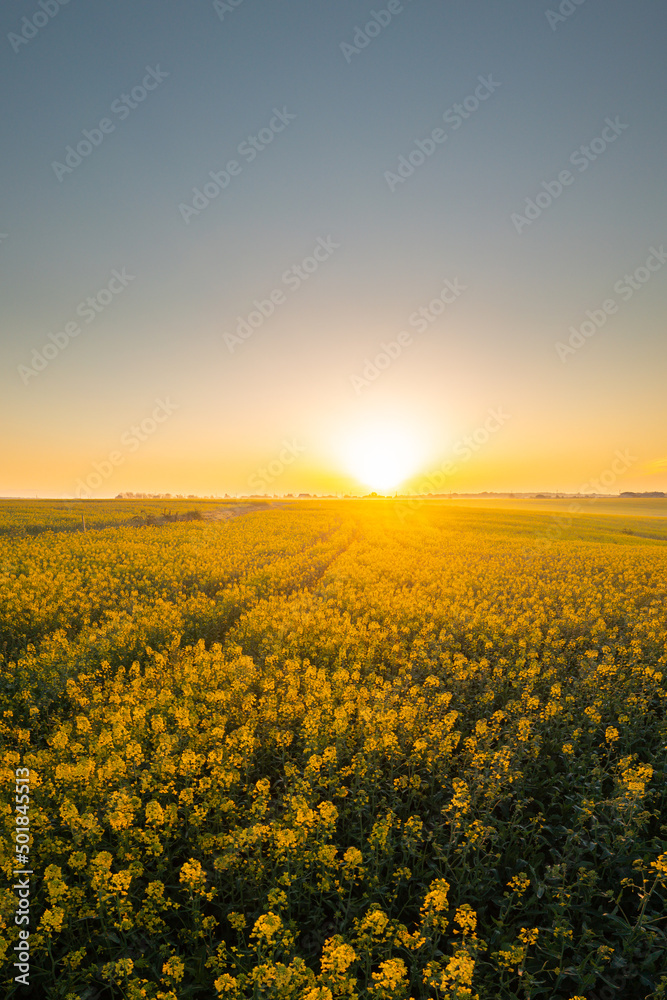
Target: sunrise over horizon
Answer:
[[278, 236]]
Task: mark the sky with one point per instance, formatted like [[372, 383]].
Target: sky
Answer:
[[273, 247]]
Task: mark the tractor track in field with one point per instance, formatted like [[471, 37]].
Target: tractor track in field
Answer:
[[237, 510]]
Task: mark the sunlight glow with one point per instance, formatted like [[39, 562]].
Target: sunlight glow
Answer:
[[382, 455]]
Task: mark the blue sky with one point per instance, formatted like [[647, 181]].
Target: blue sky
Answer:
[[220, 76]]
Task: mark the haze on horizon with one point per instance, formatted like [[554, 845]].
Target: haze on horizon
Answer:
[[355, 245]]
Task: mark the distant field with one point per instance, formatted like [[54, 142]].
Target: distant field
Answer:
[[335, 749], [656, 507], [576, 518], [35, 516]]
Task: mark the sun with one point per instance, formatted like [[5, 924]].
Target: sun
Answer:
[[382, 455]]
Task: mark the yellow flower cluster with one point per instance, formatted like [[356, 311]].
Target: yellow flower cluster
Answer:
[[320, 752]]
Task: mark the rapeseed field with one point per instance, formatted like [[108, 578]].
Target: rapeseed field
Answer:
[[335, 750]]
